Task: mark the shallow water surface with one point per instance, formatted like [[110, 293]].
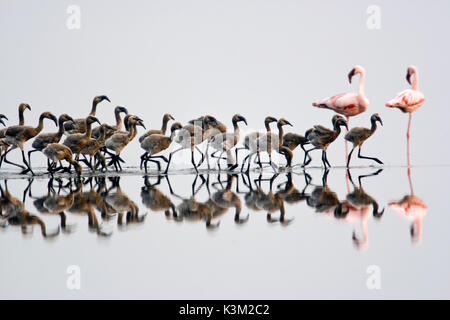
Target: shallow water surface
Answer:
[[365, 233]]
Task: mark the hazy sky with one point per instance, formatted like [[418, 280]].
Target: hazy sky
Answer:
[[224, 57]]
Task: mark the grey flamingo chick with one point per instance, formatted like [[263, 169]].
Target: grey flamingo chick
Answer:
[[119, 140], [292, 140], [93, 147], [155, 143], [166, 118], [44, 139], [79, 125], [211, 127], [57, 152], [209, 122], [111, 129], [3, 145], [224, 142], [321, 137], [359, 135], [251, 138], [78, 141], [288, 154], [16, 136], [189, 136], [22, 108], [267, 143]]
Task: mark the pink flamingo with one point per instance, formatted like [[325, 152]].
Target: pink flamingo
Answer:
[[408, 100], [348, 104]]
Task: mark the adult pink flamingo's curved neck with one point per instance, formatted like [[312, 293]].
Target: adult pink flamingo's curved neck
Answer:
[[415, 84], [362, 79]]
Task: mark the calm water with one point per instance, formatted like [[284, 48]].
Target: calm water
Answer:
[[147, 237]]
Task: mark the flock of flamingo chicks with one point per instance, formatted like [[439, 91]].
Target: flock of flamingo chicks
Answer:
[[102, 146]]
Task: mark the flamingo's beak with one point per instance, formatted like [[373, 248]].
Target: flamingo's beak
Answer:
[[350, 75], [380, 121], [408, 77]]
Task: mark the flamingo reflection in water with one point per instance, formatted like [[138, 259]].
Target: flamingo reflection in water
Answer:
[[412, 208], [14, 213], [122, 204], [322, 198], [357, 207], [155, 200], [269, 202], [85, 203], [192, 210], [53, 203]]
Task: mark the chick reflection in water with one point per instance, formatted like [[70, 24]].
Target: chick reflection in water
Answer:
[[190, 209], [258, 200], [122, 204], [322, 199], [357, 208], [412, 208], [14, 213], [155, 200], [55, 203], [85, 203]]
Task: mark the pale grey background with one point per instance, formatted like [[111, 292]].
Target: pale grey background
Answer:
[[222, 57]]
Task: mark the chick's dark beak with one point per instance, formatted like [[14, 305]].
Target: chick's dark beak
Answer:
[[106, 98], [243, 120], [377, 214], [55, 120], [2, 116], [344, 123], [288, 123], [380, 121], [350, 75]]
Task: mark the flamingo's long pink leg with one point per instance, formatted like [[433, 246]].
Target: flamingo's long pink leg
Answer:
[[346, 143], [347, 182], [407, 140], [410, 181]]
